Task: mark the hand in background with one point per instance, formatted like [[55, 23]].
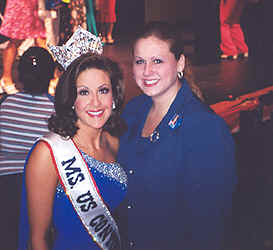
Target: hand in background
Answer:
[[43, 14]]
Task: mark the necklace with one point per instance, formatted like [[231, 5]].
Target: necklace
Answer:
[[82, 147], [154, 136]]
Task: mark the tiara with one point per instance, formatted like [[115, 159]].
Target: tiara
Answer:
[[81, 42]]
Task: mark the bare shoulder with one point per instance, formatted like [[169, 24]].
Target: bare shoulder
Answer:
[[40, 152], [40, 162]]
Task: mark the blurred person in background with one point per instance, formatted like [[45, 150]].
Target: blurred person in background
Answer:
[[106, 19], [23, 118], [20, 21], [232, 36]]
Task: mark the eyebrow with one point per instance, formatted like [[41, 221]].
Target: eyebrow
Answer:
[[105, 84], [152, 58], [81, 86]]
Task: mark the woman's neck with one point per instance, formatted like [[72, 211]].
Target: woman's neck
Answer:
[[159, 109], [101, 145], [162, 103], [89, 139]]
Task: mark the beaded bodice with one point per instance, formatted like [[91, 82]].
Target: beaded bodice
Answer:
[[110, 173], [111, 170]]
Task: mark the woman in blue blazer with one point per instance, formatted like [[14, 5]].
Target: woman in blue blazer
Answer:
[[178, 153]]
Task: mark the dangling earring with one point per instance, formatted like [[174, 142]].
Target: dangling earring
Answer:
[[113, 105], [180, 74]]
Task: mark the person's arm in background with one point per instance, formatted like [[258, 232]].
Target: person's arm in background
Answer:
[[43, 13], [41, 182]]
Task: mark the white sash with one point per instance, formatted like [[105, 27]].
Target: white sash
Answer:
[[83, 192]]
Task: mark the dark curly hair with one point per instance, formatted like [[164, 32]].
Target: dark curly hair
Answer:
[[63, 122], [35, 70]]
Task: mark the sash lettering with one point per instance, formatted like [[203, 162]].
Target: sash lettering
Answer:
[[83, 192], [88, 201], [100, 225], [69, 170]]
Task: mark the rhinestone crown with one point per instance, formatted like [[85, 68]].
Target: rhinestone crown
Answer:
[[81, 42]]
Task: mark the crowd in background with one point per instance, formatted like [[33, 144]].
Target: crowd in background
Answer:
[[43, 23]]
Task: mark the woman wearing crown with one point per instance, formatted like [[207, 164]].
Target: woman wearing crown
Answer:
[[72, 182]]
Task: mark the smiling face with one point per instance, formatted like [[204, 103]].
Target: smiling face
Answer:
[[93, 104], [155, 67]]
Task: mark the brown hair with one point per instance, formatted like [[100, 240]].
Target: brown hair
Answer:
[[63, 122], [170, 33]]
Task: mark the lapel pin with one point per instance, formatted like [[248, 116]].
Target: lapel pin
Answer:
[[175, 122]]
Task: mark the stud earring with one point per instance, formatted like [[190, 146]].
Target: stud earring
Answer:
[[180, 74], [73, 107], [113, 105]]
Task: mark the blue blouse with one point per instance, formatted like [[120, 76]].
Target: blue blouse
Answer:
[[181, 179], [70, 233]]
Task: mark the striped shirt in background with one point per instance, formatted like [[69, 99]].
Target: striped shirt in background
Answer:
[[23, 118]]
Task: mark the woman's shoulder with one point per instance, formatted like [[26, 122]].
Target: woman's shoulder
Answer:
[[203, 119], [43, 146], [40, 149], [40, 160], [135, 103], [135, 108], [206, 126]]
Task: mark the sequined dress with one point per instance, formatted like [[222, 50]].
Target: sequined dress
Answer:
[[70, 234]]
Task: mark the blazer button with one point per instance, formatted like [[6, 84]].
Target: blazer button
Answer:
[[131, 171], [129, 206], [131, 244]]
